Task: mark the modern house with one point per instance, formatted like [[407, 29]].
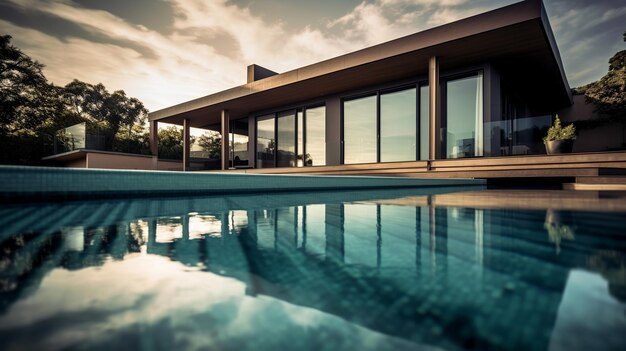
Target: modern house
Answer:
[[465, 99]]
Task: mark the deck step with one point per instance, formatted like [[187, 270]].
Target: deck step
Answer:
[[597, 187], [601, 180]]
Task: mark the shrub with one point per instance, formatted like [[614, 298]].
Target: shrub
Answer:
[[557, 132]]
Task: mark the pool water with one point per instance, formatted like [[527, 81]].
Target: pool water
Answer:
[[450, 269]]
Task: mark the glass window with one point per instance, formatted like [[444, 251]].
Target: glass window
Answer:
[[397, 126], [424, 122], [464, 117], [359, 130], [300, 124], [266, 142], [315, 136], [239, 145], [286, 140]]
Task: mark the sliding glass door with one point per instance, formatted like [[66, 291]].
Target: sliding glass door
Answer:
[[293, 138], [463, 120], [397, 126], [382, 127], [360, 130], [266, 141], [286, 139]]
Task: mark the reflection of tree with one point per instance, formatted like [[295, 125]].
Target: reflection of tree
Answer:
[[612, 265], [556, 229]]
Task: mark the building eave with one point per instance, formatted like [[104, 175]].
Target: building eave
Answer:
[[505, 34]]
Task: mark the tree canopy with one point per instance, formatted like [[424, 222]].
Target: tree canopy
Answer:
[[609, 93], [32, 110]]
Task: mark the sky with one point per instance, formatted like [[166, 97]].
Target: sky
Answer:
[[166, 52]]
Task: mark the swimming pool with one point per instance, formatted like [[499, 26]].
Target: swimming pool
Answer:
[[454, 268]]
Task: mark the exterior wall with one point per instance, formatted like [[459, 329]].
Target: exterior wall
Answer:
[[118, 161], [603, 138], [333, 131], [79, 163], [169, 165]]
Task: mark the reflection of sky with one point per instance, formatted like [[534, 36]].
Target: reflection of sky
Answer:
[[167, 302], [587, 294], [383, 264]]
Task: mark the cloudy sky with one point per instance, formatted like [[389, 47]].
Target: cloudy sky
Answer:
[[169, 51]]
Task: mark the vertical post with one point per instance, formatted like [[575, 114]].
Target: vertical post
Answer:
[[434, 109], [186, 144], [154, 144], [225, 139], [154, 138]]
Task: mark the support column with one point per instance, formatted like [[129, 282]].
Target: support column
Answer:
[[154, 144], [434, 110], [225, 123], [154, 138], [186, 144]]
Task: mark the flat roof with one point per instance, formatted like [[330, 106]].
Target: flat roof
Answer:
[[517, 39]]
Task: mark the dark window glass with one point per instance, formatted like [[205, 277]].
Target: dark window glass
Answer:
[[266, 143], [315, 136], [286, 155], [300, 124], [424, 122], [239, 142], [359, 130], [397, 126], [464, 117]]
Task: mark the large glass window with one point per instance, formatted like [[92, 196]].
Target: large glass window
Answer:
[[464, 117], [424, 122], [315, 136], [359, 130], [239, 142], [286, 155], [300, 124], [266, 142], [398, 126], [292, 138]]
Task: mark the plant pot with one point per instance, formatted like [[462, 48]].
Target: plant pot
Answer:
[[555, 147]]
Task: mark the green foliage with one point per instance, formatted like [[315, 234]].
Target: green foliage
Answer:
[[558, 132], [609, 93], [114, 110], [171, 143], [212, 143], [32, 110]]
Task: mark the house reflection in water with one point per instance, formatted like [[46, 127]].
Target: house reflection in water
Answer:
[[415, 272]]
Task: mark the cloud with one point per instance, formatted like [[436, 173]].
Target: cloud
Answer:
[[209, 43]]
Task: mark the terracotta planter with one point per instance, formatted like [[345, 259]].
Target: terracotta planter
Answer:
[[555, 147]]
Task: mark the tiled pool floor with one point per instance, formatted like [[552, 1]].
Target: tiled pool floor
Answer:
[[389, 269]]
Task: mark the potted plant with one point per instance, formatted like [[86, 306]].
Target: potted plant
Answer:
[[560, 139]]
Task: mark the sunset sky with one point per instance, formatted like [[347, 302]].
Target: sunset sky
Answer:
[[167, 52]]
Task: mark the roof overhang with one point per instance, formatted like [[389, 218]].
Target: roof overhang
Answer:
[[516, 39]]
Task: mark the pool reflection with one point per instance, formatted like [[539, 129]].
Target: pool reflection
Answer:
[[455, 277]]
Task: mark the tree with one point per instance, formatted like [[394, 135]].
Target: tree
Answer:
[[32, 110], [22, 85], [212, 143], [111, 111], [609, 93], [171, 143]]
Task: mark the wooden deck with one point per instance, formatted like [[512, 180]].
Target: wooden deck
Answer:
[[573, 166]]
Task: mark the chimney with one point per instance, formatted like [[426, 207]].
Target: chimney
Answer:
[[256, 72]]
